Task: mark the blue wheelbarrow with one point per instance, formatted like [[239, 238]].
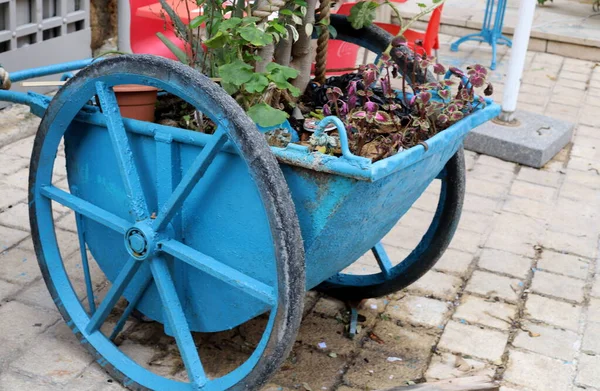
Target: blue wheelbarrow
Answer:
[[201, 233]]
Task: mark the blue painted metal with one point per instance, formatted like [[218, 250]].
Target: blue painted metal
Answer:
[[50, 70], [177, 321], [85, 263], [329, 193], [382, 260], [491, 31], [212, 219], [216, 199], [353, 328]]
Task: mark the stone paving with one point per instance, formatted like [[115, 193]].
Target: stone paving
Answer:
[[516, 296]]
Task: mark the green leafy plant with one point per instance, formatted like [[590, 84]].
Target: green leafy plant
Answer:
[[381, 122], [263, 60], [363, 13], [231, 52]]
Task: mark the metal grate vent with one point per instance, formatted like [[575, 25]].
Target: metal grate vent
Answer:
[[26, 22]]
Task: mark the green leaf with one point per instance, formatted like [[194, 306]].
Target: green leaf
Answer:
[[285, 72], [286, 12], [255, 36], [229, 88], [332, 31], [295, 91], [250, 20], [230, 24], [180, 54], [177, 22], [362, 14], [236, 72], [279, 28], [422, 5], [266, 116], [197, 21], [216, 41], [258, 83]]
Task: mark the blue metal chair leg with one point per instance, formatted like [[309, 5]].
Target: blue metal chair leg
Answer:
[[491, 30], [494, 52], [471, 37]]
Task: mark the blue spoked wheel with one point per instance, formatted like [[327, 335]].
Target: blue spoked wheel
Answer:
[[153, 246], [395, 276]]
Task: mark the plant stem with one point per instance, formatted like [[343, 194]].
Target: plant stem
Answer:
[[410, 22], [395, 11]]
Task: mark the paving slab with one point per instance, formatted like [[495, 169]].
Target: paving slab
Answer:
[[533, 142]]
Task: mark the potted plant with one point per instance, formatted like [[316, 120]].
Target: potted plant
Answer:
[[265, 63]]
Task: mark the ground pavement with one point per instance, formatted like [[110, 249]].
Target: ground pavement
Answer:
[[516, 296]]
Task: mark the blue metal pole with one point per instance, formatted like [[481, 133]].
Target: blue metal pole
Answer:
[[50, 70]]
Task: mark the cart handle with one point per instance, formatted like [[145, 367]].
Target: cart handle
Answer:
[[342, 134], [37, 103]]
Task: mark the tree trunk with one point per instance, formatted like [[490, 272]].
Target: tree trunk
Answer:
[[263, 9], [283, 50], [301, 50], [266, 53]]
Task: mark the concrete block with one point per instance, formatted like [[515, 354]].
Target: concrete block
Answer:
[[549, 341], [568, 265], [453, 261], [591, 338], [553, 312], [537, 372], [439, 285], [444, 366], [473, 341], [492, 285], [55, 360], [418, 310], [589, 375], [558, 286], [485, 312], [504, 262], [533, 142]]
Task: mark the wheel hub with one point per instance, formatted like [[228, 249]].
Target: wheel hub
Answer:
[[139, 244]]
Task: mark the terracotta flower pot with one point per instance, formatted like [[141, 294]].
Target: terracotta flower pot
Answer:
[[136, 101]]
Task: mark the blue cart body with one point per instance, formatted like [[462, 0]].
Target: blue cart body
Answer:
[[345, 205]]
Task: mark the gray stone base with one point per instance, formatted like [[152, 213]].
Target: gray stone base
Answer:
[[532, 143]]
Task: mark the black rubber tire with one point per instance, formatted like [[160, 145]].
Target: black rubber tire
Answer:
[[262, 165], [377, 40], [448, 222]]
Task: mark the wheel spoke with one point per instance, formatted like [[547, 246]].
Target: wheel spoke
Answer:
[[219, 270], [177, 321], [382, 259], [164, 168], [86, 209], [120, 142], [442, 174], [199, 167], [131, 306], [113, 295], [84, 262]]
